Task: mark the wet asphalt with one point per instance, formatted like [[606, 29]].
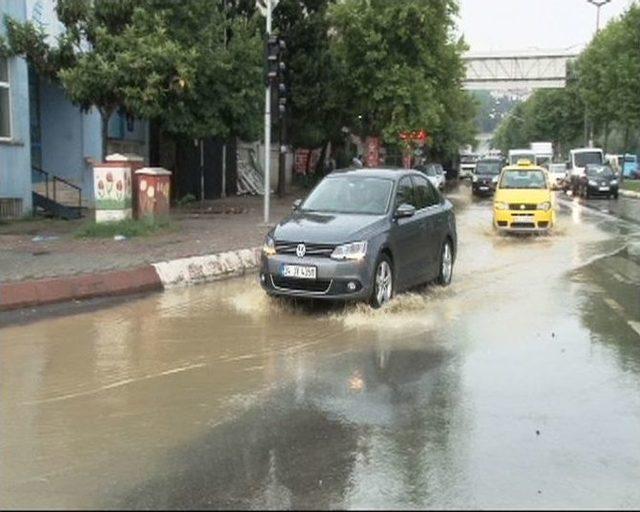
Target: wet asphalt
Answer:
[[516, 387]]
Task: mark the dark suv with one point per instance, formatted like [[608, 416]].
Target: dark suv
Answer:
[[485, 177]]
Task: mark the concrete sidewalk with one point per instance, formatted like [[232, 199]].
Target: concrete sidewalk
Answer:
[[42, 262]]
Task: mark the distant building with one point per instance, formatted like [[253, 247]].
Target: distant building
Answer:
[[41, 129]]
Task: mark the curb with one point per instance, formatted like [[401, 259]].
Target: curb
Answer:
[[62, 289], [155, 277], [209, 268], [629, 193]]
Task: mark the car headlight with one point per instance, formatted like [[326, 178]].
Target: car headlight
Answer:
[[546, 206], [499, 205], [613, 182], [269, 247], [495, 179], [475, 178], [593, 183], [353, 251]]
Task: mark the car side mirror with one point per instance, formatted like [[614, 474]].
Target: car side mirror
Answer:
[[405, 210], [296, 204]]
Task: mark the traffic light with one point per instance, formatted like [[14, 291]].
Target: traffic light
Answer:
[[276, 71], [275, 65]]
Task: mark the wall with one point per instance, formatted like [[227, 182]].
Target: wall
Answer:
[[69, 138], [15, 159]]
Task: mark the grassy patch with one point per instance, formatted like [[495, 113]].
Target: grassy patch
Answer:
[[128, 228], [631, 185]]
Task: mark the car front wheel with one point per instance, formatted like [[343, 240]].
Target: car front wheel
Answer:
[[446, 264], [382, 282]]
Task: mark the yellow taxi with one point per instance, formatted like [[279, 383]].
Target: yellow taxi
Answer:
[[523, 201]]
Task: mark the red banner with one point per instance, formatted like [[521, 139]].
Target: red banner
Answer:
[[302, 160]]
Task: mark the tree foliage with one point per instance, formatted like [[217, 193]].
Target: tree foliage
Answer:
[[195, 66], [603, 80], [315, 100], [400, 69]]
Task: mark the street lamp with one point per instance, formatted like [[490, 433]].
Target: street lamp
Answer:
[[598, 4]]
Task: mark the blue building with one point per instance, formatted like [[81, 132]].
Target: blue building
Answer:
[[40, 129]]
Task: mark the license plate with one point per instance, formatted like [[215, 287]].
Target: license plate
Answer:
[[484, 188], [299, 271], [604, 189], [523, 218]]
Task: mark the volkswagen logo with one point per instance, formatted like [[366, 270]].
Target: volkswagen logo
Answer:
[[301, 250], [522, 207]]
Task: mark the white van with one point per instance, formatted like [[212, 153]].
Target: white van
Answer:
[[521, 154], [579, 158]]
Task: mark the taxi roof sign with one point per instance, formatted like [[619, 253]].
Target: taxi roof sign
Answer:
[[524, 161]]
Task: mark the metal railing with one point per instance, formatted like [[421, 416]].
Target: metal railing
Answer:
[[54, 181]]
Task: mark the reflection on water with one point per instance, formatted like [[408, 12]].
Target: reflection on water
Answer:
[[218, 396]]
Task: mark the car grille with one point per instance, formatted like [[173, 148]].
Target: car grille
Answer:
[[304, 285], [527, 206], [322, 250], [523, 225]]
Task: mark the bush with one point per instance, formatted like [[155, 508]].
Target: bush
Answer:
[[185, 200], [128, 228]]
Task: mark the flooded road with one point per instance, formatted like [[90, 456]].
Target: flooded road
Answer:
[[518, 386]]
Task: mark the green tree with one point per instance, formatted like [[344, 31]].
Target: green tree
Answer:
[[400, 68], [315, 111], [192, 66], [608, 72]]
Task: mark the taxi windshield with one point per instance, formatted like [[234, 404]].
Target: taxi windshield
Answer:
[[516, 179]]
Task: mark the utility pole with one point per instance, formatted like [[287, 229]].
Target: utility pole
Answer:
[[266, 8], [589, 131]]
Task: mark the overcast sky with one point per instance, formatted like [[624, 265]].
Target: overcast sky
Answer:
[[503, 25]]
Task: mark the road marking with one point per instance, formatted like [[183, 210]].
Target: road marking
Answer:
[[620, 310], [590, 210], [115, 385], [635, 326], [614, 305]]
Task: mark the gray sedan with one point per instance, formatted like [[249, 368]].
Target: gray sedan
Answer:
[[362, 235]]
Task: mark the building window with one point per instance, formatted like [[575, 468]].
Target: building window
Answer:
[[5, 112]]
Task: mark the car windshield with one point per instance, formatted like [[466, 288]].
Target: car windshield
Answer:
[[439, 169], [523, 180], [492, 168], [599, 172], [350, 194], [589, 157]]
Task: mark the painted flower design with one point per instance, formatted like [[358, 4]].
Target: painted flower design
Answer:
[[100, 188]]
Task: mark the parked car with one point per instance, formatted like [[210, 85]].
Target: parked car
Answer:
[[598, 180], [441, 173], [362, 235], [523, 201], [486, 176], [434, 173], [557, 175]]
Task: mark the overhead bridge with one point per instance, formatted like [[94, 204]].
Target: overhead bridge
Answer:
[[516, 72]]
